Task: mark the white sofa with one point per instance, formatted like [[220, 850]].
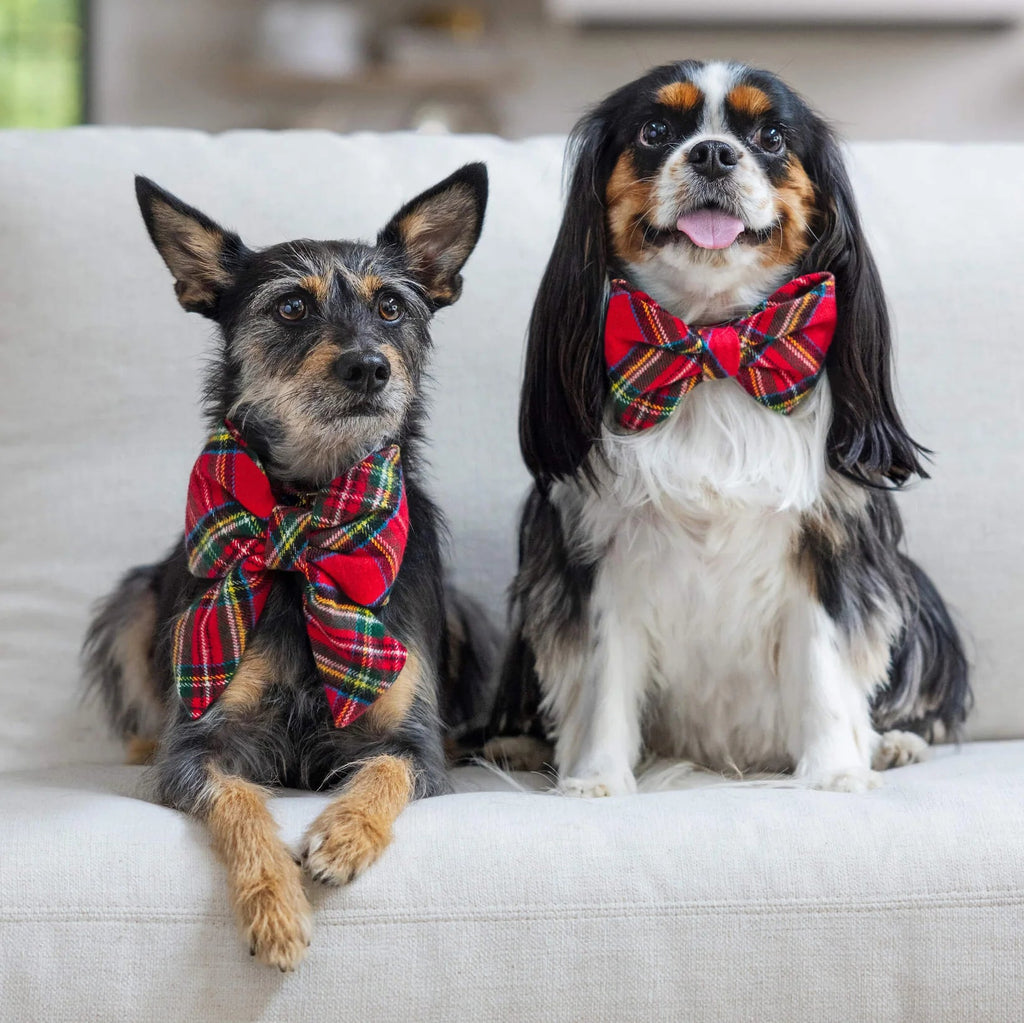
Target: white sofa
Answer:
[[718, 901]]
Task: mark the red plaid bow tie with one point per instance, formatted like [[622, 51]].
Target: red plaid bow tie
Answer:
[[776, 352], [346, 540]]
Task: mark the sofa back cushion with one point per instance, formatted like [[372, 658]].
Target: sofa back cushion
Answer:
[[99, 369]]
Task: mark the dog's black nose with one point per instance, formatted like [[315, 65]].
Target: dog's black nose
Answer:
[[365, 372], [712, 158]]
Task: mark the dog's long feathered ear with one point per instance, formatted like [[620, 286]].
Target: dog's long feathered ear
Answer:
[[201, 255], [564, 384], [439, 229], [868, 441]]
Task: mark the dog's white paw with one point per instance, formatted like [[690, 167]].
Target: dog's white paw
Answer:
[[598, 786], [897, 749], [854, 779]]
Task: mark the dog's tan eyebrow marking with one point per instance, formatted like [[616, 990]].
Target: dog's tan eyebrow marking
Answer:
[[318, 285], [682, 95], [749, 100], [366, 281], [363, 282], [369, 284]]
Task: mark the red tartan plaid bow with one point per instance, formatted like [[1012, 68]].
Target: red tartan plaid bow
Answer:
[[346, 540], [776, 352]]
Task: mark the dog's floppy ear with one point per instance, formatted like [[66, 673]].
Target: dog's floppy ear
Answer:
[[867, 441], [564, 385], [439, 229], [200, 254]]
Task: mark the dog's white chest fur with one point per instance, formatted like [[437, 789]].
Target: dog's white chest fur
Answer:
[[697, 526], [716, 591]]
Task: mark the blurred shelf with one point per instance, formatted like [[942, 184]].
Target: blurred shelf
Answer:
[[375, 80], [804, 12]]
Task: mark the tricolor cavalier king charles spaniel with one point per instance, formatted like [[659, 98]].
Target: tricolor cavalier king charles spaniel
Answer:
[[727, 583]]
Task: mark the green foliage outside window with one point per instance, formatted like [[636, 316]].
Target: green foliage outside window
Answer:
[[41, 63]]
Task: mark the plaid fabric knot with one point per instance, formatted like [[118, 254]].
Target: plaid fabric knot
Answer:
[[346, 540], [287, 538], [776, 353]]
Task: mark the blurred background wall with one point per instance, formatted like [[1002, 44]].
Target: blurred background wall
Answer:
[[929, 69]]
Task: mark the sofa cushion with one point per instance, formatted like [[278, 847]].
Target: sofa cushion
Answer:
[[718, 902]]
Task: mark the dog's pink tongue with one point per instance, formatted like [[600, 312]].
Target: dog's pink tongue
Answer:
[[710, 229]]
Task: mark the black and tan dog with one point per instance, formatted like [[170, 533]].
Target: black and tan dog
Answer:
[[321, 362]]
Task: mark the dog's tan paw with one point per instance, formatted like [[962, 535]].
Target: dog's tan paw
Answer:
[[342, 842], [276, 917], [356, 828], [518, 752]]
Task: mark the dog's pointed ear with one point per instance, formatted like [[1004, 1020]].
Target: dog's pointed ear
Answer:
[[202, 256], [867, 440], [439, 229], [564, 383]]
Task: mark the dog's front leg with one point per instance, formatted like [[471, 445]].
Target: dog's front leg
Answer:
[[599, 740], [206, 768], [400, 758], [830, 734], [355, 828], [265, 881]]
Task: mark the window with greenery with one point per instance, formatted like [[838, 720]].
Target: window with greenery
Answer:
[[42, 63]]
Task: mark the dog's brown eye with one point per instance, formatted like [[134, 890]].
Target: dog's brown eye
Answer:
[[390, 308], [292, 308], [655, 133], [770, 138]]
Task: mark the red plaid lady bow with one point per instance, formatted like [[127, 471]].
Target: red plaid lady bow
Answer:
[[346, 540], [776, 353]]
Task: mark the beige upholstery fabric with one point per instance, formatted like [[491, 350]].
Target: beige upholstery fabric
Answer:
[[714, 904]]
